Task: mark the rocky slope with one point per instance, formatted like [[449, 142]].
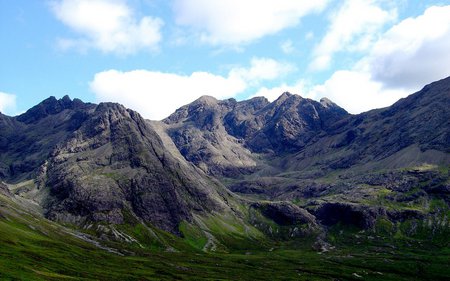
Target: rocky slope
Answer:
[[292, 168], [413, 131], [220, 136], [202, 138], [27, 139], [324, 159], [103, 163], [224, 137]]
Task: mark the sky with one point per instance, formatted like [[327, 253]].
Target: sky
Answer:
[[155, 56]]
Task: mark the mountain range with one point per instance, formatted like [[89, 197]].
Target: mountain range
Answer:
[[220, 171]]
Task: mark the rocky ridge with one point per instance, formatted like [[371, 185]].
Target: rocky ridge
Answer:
[[318, 155], [101, 163], [224, 138], [293, 166]]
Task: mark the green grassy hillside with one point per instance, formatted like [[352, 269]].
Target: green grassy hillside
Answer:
[[33, 248]]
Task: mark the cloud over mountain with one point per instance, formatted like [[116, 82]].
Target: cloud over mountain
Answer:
[[110, 26], [157, 94], [235, 22], [7, 101], [415, 51]]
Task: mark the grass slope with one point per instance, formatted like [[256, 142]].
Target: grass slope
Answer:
[[32, 248]]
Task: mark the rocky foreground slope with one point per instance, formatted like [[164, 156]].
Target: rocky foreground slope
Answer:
[[86, 163]]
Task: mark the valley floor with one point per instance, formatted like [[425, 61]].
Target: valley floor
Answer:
[[38, 250]]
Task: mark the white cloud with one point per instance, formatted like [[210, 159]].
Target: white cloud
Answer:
[[234, 22], [353, 28], [399, 62], [413, 52], [107, 25], [405, 58], [7, 102], [157, 94], [356, 91], [262, 69]]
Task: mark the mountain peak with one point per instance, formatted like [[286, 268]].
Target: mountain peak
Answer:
[[208, 100], [49, 106], [259, 99], [284, 96], [327, 103]]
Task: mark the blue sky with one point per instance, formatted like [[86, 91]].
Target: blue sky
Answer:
[[155, 56]]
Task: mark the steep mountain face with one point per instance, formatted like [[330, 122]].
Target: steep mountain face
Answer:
[[413, 131], [203, 138], [389, 163], [304, 134], [222, 137], [27, 139], [286, 180], [292, 122], [299, 166], [102, 163]]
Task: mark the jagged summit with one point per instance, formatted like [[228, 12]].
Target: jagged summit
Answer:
[[283, 97], [209, 100], [219, 136], [101, 164], [51, 106], [327, 102]]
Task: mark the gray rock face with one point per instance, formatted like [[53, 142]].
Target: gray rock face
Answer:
[[222, 137], [291, 123], [103, 163], [293, 133], [114, 164], [201, 136], [4, 190], [26, 140], [285, 213]]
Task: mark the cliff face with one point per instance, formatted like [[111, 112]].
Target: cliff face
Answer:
[[101, 163], [27, 139], [413, 131], [342, 168], [86, 163], [220, 136]]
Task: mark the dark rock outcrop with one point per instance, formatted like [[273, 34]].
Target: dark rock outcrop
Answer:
[[348, 214], [4, 190], [284, 213], [26, 140], [114, 164]]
